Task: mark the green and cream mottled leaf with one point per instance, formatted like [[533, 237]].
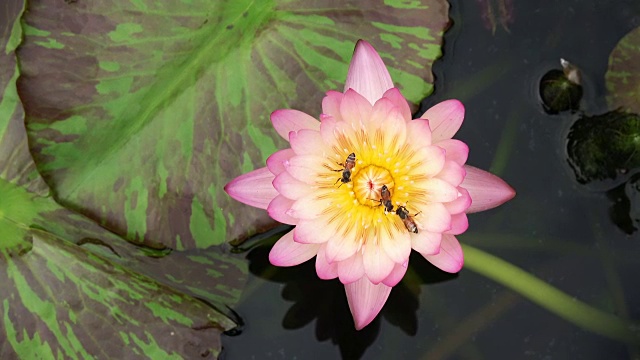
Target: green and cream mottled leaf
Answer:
[[16, 163], [64, 277], [59, 300], [70, 287], [623, 75], [138, 112]]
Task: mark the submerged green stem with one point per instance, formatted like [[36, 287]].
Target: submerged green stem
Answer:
[[549, 297]]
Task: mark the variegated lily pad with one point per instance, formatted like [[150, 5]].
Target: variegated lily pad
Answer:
[[138, 112], [623, 74], [70, 288]]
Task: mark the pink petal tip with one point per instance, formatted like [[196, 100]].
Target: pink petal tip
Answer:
[[287, 252], [450, 258], [253, 188], [367, 74], [287, 120], [366, 300], [486, 190], [445, 119]]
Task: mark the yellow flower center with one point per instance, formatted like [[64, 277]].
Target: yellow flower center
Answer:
[[356, 205], [367, 183]]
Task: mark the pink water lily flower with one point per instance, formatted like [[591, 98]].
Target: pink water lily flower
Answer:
[[329, 184]]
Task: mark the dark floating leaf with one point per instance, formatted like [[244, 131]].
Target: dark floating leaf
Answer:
[[625, 211], [561, 90], [604, 146]]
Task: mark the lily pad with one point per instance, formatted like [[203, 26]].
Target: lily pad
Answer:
[[109, 279], [59, 299], [561, 90], [604, 147], [16, 164], [70, 287], [138, 112], [623, 75]]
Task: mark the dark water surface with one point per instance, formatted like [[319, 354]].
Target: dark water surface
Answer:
[[555, 228]]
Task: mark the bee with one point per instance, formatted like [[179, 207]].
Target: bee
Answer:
[[348, 165], [385, 199], [407, 219]]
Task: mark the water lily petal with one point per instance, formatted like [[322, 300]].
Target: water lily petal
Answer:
[[309, 207], [461, 204], [365, 300], [276, 161], [328, 129], [394, 129], [351, 269], [386, 131], [355, 109], [397, 247], [291, 187], [433, 217], [439, 190], [396, 274], [445, 119], [459, 224], [452, 173], [399, 102], [331, 104], [313, 231], [487, 190], [380, 112], [367, 73], [324, 269], [278, 210], [419, 132], [342, 246], [455, 149], [286, 252], [306, 168], [450, 257], [428, 161], [287, 120], [426, 243], [307, 142], [377, 264], [253, 188]]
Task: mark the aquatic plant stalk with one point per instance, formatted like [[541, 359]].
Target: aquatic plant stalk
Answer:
[[549, 297]]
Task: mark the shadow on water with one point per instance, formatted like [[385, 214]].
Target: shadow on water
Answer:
[[323, 303]]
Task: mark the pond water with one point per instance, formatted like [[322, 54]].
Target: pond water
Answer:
[[556, 229]]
